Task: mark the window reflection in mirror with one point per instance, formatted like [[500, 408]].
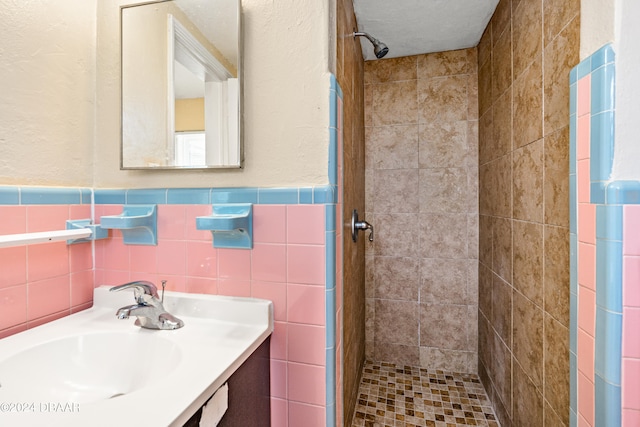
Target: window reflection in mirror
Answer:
[[181, 96]]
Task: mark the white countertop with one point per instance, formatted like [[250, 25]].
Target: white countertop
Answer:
[[191, 363]]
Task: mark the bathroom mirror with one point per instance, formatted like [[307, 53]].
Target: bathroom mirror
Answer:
[[181, 85]]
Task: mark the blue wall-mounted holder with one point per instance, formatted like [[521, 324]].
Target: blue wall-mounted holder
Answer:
[[230, 224], [97, 232], [138, 223]]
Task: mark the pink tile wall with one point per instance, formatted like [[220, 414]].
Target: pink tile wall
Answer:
[[286, 266], [42, 282], [631, 316], [586, 217]]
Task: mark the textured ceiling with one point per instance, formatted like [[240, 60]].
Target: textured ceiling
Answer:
[[412, 27]]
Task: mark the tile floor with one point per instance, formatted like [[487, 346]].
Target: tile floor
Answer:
[[404, 396]]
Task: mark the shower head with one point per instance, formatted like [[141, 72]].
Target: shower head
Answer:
[[379, 48]]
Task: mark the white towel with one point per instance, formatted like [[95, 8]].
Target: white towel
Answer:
[[215, 408]]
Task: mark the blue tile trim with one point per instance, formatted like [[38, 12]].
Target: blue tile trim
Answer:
[[598, 192], [609, 275], [602, 144], [147, 196], [86, 195], [110, 197], [608, 354], [573, 146], [573, 323], [573, 418], [608, 403], [602, 89], [333, 108], [50, 196], [305, 195], [9, 196], [573, 263], [573, 382], [573, 99], [623, 192], [326, 194], [189, 196], [277, 196], [573, 204], [602, 56], [584, 68], [573, 75], [234, 195], [609, 222]]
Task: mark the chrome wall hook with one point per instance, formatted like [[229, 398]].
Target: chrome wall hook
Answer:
[[359, 225]]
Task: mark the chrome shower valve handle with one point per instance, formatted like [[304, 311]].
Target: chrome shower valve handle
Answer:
[[359, 225]]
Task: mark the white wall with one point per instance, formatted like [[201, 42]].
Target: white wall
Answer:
[[47, 87], [597, 25], [286, 101], [60, 97], [626, 160]]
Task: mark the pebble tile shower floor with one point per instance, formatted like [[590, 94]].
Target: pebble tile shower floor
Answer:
[[404, 396]]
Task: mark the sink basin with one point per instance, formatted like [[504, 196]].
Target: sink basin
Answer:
[[90, 367]]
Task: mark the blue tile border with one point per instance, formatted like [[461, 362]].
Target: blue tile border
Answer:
[[608, 197]]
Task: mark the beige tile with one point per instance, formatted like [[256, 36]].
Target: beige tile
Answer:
[[369, 190], [502, 69], [472, 96], [487, 149], [443, 235], [443, 144], [398, 353], [369, 276], [392, 147], [472, 143], [485, 345], [396, 322], [556, 178], [502, 248], [560, 56], [444, 190], [445, 326], [501, 19], [556, 273], [527, 34], [449, 63], [527, 400], [484, 87], [396, 191], [503, 123], [485, 46], [397, 278], [527, 182], [370, 320], [396, 235], [556, 367], [443, 99], [501, 304], [473, 226], [527, 105], [485, 240], [445, 281], [390, 70], [528, 244], [551, 418], [528, 337], [394, 103], [495, 187], [485, 286], [501, 375], [446, 360], [368, 105], [557, 13]]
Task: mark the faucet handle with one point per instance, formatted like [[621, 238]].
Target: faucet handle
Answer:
[[140, 289]]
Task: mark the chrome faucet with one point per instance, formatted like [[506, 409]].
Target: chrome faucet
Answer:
[[148, 308]]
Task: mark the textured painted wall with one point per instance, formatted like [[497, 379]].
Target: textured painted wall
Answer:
[[48, 78]]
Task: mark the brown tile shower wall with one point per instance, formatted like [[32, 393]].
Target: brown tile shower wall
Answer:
[[524, 59], [421, 180], [349, 73]]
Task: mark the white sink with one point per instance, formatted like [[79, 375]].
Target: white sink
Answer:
[[94, 369]]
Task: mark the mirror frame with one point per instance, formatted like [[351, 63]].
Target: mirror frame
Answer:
[[239, 146]]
